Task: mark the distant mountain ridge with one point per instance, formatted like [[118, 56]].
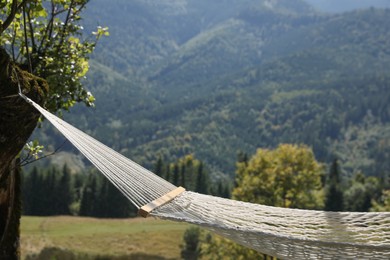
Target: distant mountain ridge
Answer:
[[347, 5], [159, 28], [217, 77]]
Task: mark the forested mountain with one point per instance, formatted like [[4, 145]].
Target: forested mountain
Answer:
[[217, 77], [347, 5]]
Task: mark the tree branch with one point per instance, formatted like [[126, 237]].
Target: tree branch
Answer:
[[48, 31], [65, 25], [13, 46], [14, 10], [10, 18], [32, 38], [26, 40], [27, 160]]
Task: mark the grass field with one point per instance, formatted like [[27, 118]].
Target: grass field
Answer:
[[102, 237]]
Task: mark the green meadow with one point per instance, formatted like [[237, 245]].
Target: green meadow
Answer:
[[91, 238]]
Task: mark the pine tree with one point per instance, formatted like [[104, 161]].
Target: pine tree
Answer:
[[190, 172], [175, 180], [168, 173], [183, 175], [64, 192], [118, 205], [88, 198], [49, 197], [202, 184], [223, 190], [103, 210], [159, 167], [77, 186], [38, 192], [334, 198], [29, 187]]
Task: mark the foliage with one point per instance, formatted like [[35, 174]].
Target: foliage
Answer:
[[33, 149], [361, 192], [383, 203], [190, 248], [200, 244], [216, 247], [45, 38], [288, 176]]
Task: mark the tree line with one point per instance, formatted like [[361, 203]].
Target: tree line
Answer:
[[193, 175], [55, 191]]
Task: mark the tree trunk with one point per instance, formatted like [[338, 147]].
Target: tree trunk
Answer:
[[10, 211], [17, 121]]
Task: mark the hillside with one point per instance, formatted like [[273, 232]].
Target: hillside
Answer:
[[347, 5], [179, 77]]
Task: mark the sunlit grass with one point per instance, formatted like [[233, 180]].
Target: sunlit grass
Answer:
[[102, 236]]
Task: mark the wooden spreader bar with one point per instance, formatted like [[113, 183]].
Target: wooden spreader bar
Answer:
[[145, 210]]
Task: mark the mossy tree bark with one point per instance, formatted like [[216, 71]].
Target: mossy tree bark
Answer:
[[17, 121]]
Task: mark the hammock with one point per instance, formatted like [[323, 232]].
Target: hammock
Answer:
[[281, 232]]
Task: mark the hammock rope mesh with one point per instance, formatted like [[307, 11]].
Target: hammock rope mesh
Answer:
[[281, 232]]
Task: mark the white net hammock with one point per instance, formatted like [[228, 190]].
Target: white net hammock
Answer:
[[281, 232]]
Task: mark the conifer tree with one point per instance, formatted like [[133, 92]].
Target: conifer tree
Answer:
[[175, 174], [49, 198], [168, 173], [88, 198], [223, 190], [118, 205], [29, 186], [159, 167], [183, 175], [64, 192], [103, 207], [202, 183], [334, 198], [190, 171]]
